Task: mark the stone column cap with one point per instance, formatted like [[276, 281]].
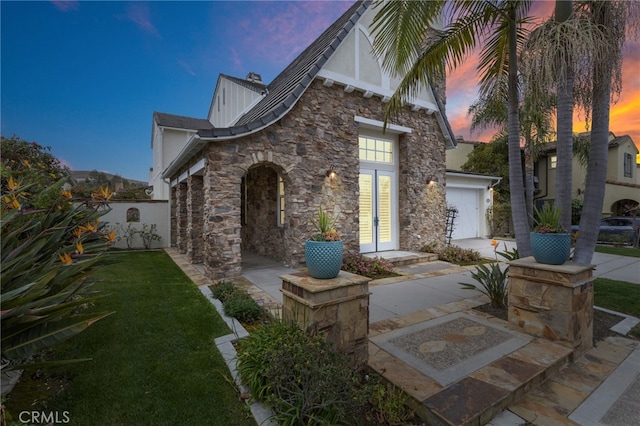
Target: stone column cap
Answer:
[[565, 268], [314, 285]]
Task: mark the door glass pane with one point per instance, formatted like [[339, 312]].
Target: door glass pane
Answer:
[[366, 209], [384, 209]]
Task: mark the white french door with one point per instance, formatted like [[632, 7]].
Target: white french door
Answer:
[[378, 211]]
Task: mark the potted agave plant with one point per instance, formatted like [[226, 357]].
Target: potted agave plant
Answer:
[[323, 251], [550, 243]]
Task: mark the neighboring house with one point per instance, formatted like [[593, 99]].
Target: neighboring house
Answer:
[[470, 193], [622, 188], [254, 173]]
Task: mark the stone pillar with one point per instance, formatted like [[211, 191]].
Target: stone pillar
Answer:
[[181, 217], [174, 217], [195, 201], [553, 301], [336, 308]]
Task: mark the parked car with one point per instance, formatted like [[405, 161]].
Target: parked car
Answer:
[[617, 229]]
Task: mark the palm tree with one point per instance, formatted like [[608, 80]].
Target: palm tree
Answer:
[[536, 114], [403, 40], [612, 17], [564, 126], [554, 50]]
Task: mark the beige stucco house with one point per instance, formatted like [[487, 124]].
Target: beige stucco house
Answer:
[[623, 178], [252, 174]]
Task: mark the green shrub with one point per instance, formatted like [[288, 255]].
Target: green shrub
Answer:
[[389, 406], [222, 290], [493, 283], [454, 254], [373, 268], [493, 280], [242, 307], [300, 377]]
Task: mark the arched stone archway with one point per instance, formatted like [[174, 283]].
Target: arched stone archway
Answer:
[[264, 210]]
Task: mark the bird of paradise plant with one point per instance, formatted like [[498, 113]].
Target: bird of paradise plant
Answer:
[[45, 260]]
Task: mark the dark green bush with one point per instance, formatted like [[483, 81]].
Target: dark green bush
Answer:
[[366, 266], [242, 307], [300, 377], [305, 381], [454, 254], [222, 290]]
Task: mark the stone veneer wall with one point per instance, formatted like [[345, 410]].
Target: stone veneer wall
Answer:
[[181, 221], [173, 218], [320, 132], [194, 201]]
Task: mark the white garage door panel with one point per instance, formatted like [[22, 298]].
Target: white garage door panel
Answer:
[[467, 203]]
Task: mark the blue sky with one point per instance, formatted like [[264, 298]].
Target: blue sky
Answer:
[[85, 77]]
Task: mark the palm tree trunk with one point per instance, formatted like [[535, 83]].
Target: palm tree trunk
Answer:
[[597, 166], [528, 173], [564, 126], [516, 183]]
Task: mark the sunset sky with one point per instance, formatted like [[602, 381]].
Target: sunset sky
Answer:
[[625, 112], [85, 77]]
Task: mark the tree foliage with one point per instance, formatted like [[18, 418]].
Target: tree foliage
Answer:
[[492, 159]]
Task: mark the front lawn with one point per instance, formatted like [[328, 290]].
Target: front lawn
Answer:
[[618, 296], [620, 251], [154, 359]]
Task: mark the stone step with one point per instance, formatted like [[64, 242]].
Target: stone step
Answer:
[[489, 366], [484, 394], [403, 258]]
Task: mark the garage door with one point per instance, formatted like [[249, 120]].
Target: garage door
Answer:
[[467, 202]]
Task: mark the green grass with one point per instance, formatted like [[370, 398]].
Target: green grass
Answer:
[[154, 359], [620, 251], [618, 296]]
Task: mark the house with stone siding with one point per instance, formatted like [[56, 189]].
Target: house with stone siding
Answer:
[[252, 174]]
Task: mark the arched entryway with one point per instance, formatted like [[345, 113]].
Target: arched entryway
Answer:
[[263, 211]]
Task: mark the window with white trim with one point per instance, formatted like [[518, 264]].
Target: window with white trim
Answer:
[[375, 150], [553, 161]]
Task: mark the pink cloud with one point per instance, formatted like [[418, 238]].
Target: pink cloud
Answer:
[[235, 58], [139, 14], [66, 5], [279, 34]]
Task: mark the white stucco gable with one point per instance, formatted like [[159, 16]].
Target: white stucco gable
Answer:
[[354, 66]]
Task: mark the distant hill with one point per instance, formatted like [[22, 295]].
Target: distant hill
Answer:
[[83, 176]]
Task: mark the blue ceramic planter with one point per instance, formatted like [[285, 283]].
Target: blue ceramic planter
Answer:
[[324, 258], [551, 249]]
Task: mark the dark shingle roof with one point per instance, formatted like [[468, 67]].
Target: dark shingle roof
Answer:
[[181, 122], [285, 90]]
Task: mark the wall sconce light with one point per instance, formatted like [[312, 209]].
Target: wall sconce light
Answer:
[[331, 173], [490, 188], [431, 180]]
